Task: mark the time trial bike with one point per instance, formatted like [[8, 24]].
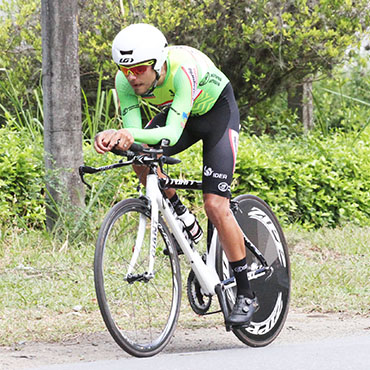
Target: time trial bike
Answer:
[[137, 272]]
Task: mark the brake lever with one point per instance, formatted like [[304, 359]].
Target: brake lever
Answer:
[[87, 169], [81, 173]]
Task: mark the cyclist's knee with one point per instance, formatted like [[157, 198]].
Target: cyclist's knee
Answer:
[[141, 172], [216, 207]]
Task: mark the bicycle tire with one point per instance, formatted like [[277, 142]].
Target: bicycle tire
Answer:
[[260, 225], [141, 316]]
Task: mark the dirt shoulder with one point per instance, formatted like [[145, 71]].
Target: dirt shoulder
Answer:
[[299, 327]]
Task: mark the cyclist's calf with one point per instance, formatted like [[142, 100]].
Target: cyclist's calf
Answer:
[[231, 237]]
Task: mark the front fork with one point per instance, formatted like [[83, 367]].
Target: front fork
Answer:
[[154, 213]]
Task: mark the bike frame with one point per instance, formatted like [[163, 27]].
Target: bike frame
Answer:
[[205, 272]]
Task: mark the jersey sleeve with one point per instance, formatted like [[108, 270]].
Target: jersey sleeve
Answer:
[[129, 103]]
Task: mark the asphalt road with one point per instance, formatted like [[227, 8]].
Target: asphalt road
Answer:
[[330, 354]]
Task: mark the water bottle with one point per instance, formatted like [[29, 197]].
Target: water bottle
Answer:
[[191, 226]]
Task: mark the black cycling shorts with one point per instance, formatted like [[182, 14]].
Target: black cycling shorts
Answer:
[[219, 131]]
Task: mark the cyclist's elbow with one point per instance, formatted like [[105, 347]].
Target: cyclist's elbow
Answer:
[[173, 138]]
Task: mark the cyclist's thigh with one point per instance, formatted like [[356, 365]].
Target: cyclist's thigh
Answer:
[[219, 158], [186, 140], [219, 165]]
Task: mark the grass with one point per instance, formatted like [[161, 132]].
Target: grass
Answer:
[[47, 288], [48, 293], [330, 270]]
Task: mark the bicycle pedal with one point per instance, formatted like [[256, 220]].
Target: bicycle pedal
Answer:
[[232, 327]]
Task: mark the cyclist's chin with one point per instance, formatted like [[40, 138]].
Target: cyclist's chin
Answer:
[[140, 89]]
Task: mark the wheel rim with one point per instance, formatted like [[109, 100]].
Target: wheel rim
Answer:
[[140, 315]]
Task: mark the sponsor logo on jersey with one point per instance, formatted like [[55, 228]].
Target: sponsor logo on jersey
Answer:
[[192, 75], [211, 78], [204, 80], [215, 79], [126, 110]]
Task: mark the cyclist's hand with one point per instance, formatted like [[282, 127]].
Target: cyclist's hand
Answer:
[[105, 141], [109, 139], [125, 139]]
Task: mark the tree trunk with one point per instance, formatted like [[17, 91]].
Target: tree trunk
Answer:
[[62, 107], [300, 101]]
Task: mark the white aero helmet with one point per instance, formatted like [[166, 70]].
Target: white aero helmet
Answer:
[[139, 43]]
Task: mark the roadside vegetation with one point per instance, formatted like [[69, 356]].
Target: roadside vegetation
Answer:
[[48, 294], [318, 183]]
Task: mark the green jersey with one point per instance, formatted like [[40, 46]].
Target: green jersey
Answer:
[[191, 87]]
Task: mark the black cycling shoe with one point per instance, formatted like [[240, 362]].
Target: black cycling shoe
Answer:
[[243, 310]]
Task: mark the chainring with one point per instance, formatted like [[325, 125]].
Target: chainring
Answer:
[[199, 302]]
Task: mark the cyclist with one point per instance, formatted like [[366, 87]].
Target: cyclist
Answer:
[[197, 103]]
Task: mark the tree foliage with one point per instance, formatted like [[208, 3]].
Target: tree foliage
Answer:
[[20, 33], [264, 45], [261, 45], [20, 40]]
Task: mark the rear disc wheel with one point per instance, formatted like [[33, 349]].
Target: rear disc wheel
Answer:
[[272, 288]]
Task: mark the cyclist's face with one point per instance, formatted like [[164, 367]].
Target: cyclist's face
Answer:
[[141, 83]]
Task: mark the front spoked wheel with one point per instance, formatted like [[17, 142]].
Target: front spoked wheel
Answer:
[[271, 285], [139, 309]]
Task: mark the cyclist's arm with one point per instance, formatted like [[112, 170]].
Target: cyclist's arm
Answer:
[[177, 116], [129, 103]]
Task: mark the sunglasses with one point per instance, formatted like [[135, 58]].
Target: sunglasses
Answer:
[[137, 69]]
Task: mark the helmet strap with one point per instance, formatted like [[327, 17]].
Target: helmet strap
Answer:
[[154, 84]]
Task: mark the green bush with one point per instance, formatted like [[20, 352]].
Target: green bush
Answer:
[[314, 181], [21, 178], [311, 180]]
